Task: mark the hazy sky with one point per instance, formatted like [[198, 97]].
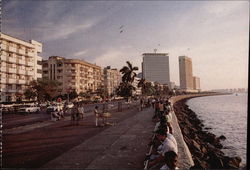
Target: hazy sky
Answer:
[[215, 34]]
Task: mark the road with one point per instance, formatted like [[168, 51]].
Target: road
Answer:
[[34, 147]]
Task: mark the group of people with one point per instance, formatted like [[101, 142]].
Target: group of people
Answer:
[[164, 145]]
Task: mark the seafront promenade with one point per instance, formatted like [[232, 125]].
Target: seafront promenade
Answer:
[[62, 145], [122, 146]]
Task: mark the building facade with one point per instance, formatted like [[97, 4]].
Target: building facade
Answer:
[[73, 74], [112, 79], [186, 73], [155, 67], [196, 82], [20, 64]]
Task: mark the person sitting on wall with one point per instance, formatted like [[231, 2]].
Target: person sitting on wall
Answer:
[[170, 159], [168, 144]]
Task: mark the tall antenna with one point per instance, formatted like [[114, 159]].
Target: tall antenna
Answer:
[[155, 50]]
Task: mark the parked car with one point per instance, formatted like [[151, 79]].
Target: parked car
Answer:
[[69, 105], [54, 107], [29, 109]]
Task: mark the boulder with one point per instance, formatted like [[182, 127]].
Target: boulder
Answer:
[[222, 137], [196, 145]]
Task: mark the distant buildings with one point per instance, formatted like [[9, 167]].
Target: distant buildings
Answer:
[[112, 79], [20, 64], [196, 83], [188, 83], [73, 74], [155, 67]]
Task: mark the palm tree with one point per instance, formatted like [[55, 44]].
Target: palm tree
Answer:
[[126, 87], [128, 73]]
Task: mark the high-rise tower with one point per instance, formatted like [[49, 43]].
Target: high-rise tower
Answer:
[[155, 67]]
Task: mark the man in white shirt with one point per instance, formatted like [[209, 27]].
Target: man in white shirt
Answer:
[[168, 144]]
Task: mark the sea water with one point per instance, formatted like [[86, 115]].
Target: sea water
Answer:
[[225, 115]]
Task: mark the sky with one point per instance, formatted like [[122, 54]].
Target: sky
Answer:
[[214, 34]]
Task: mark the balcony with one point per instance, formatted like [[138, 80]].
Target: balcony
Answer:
[[20, 71], [11, 81], [12, 49], [11, 90], [30, 54], [30, 63], [12, 70], [30, 73], [12, 59], [21, 51], [39, 67], [3, 80], [20, 81], [4, 47], [3, 69], [21, 62], [3, 57]]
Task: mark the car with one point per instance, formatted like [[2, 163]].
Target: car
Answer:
[[29, 109], [69, 105], [55, 107]]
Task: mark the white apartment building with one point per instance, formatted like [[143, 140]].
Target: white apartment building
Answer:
[[20, 64], [186, 73], [112, 79], [155, 67], [73, 74]]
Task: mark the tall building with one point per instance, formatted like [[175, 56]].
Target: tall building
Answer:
[[155, 67], [112, 79], [186, 73], [73, 74], [196, 82], [20, 64]]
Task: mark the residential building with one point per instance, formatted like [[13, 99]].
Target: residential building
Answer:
[[20, 64], [73, 74], [155, 67], [196, 83], [186, 73], [112, 79]]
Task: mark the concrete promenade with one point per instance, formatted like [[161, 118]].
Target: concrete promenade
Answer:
[[122, 146]]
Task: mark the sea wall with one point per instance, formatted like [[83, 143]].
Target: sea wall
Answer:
[[202, 148]]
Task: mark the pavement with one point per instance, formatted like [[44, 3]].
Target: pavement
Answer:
[[122, 146]]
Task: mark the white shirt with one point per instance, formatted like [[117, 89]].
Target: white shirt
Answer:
[[169, 144]]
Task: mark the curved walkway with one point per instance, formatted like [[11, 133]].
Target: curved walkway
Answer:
[[122, 146]]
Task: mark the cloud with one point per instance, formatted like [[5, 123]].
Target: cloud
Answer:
[[80, 53], [63, 31]]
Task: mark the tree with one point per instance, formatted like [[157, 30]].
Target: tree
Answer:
[[126, 88], [42, 89], [128, 73], [73, 94], [30, 94]]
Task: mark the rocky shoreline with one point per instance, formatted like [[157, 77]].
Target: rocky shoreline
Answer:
[[204, 146]]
